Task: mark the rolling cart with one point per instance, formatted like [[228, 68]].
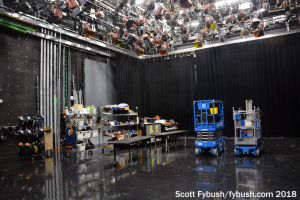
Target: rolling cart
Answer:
[[209, 125], [247, 130]]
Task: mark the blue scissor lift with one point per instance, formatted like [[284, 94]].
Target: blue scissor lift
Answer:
[[209, 125], [247, 128]]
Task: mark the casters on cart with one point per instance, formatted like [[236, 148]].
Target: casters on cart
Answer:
[[215, 152], [258, 151], [214, 147], [235, 151]]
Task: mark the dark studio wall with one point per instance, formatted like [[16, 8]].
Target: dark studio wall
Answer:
[[265, 70], [19, 68], [19, 58], [163, 87]]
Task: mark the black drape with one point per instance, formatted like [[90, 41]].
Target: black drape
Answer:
[[165, 87], [265, 70]]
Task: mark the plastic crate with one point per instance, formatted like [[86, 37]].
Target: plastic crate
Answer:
[[80, 147], [80, 134], [87, 134], [94, 133]]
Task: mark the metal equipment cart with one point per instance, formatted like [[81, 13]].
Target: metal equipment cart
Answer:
[[209, 125], [247, 130]]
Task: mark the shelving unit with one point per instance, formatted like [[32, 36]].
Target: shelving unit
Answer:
[[109, 113], [81, 135]]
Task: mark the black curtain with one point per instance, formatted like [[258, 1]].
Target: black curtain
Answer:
[[265, 70], [164, 87]]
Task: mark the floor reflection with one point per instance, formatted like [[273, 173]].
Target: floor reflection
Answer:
[[142, 174], [210, 175], [248, 177]]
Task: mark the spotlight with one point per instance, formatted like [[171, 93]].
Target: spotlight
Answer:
[[222, 38], [198, 43], [138, 51], [86, 31], [258, 33]]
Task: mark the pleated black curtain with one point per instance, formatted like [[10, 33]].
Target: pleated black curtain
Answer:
[[266, 71], [165, 87]]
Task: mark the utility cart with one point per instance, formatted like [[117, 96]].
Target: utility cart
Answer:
[[247, 130], [209, 125]]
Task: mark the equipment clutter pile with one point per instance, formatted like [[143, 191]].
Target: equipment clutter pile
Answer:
[[31, 133]]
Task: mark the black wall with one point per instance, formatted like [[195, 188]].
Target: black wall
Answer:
[[20, 65], [164, 87], [265, 70]]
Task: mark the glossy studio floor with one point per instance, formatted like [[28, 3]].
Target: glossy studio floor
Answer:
[[158, 175]]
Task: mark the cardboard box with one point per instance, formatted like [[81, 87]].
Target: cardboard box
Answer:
[[92, 109], [139, 133], [47, 128], [48, 137], [78, 107]]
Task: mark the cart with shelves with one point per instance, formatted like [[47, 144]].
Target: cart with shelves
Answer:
[[247, 130], [78, 136]]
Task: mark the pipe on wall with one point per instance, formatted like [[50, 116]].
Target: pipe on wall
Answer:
[[58, 94], [47, 82], [54, 93], [41, 75], [44, 78], [51, 83]]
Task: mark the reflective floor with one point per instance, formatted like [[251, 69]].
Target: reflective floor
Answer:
[[155, 176]]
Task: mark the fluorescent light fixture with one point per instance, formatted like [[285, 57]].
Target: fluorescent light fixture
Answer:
[[180, 12], [231, 1], [246, 5], [219, 3], [195, 23], [139, 2]]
